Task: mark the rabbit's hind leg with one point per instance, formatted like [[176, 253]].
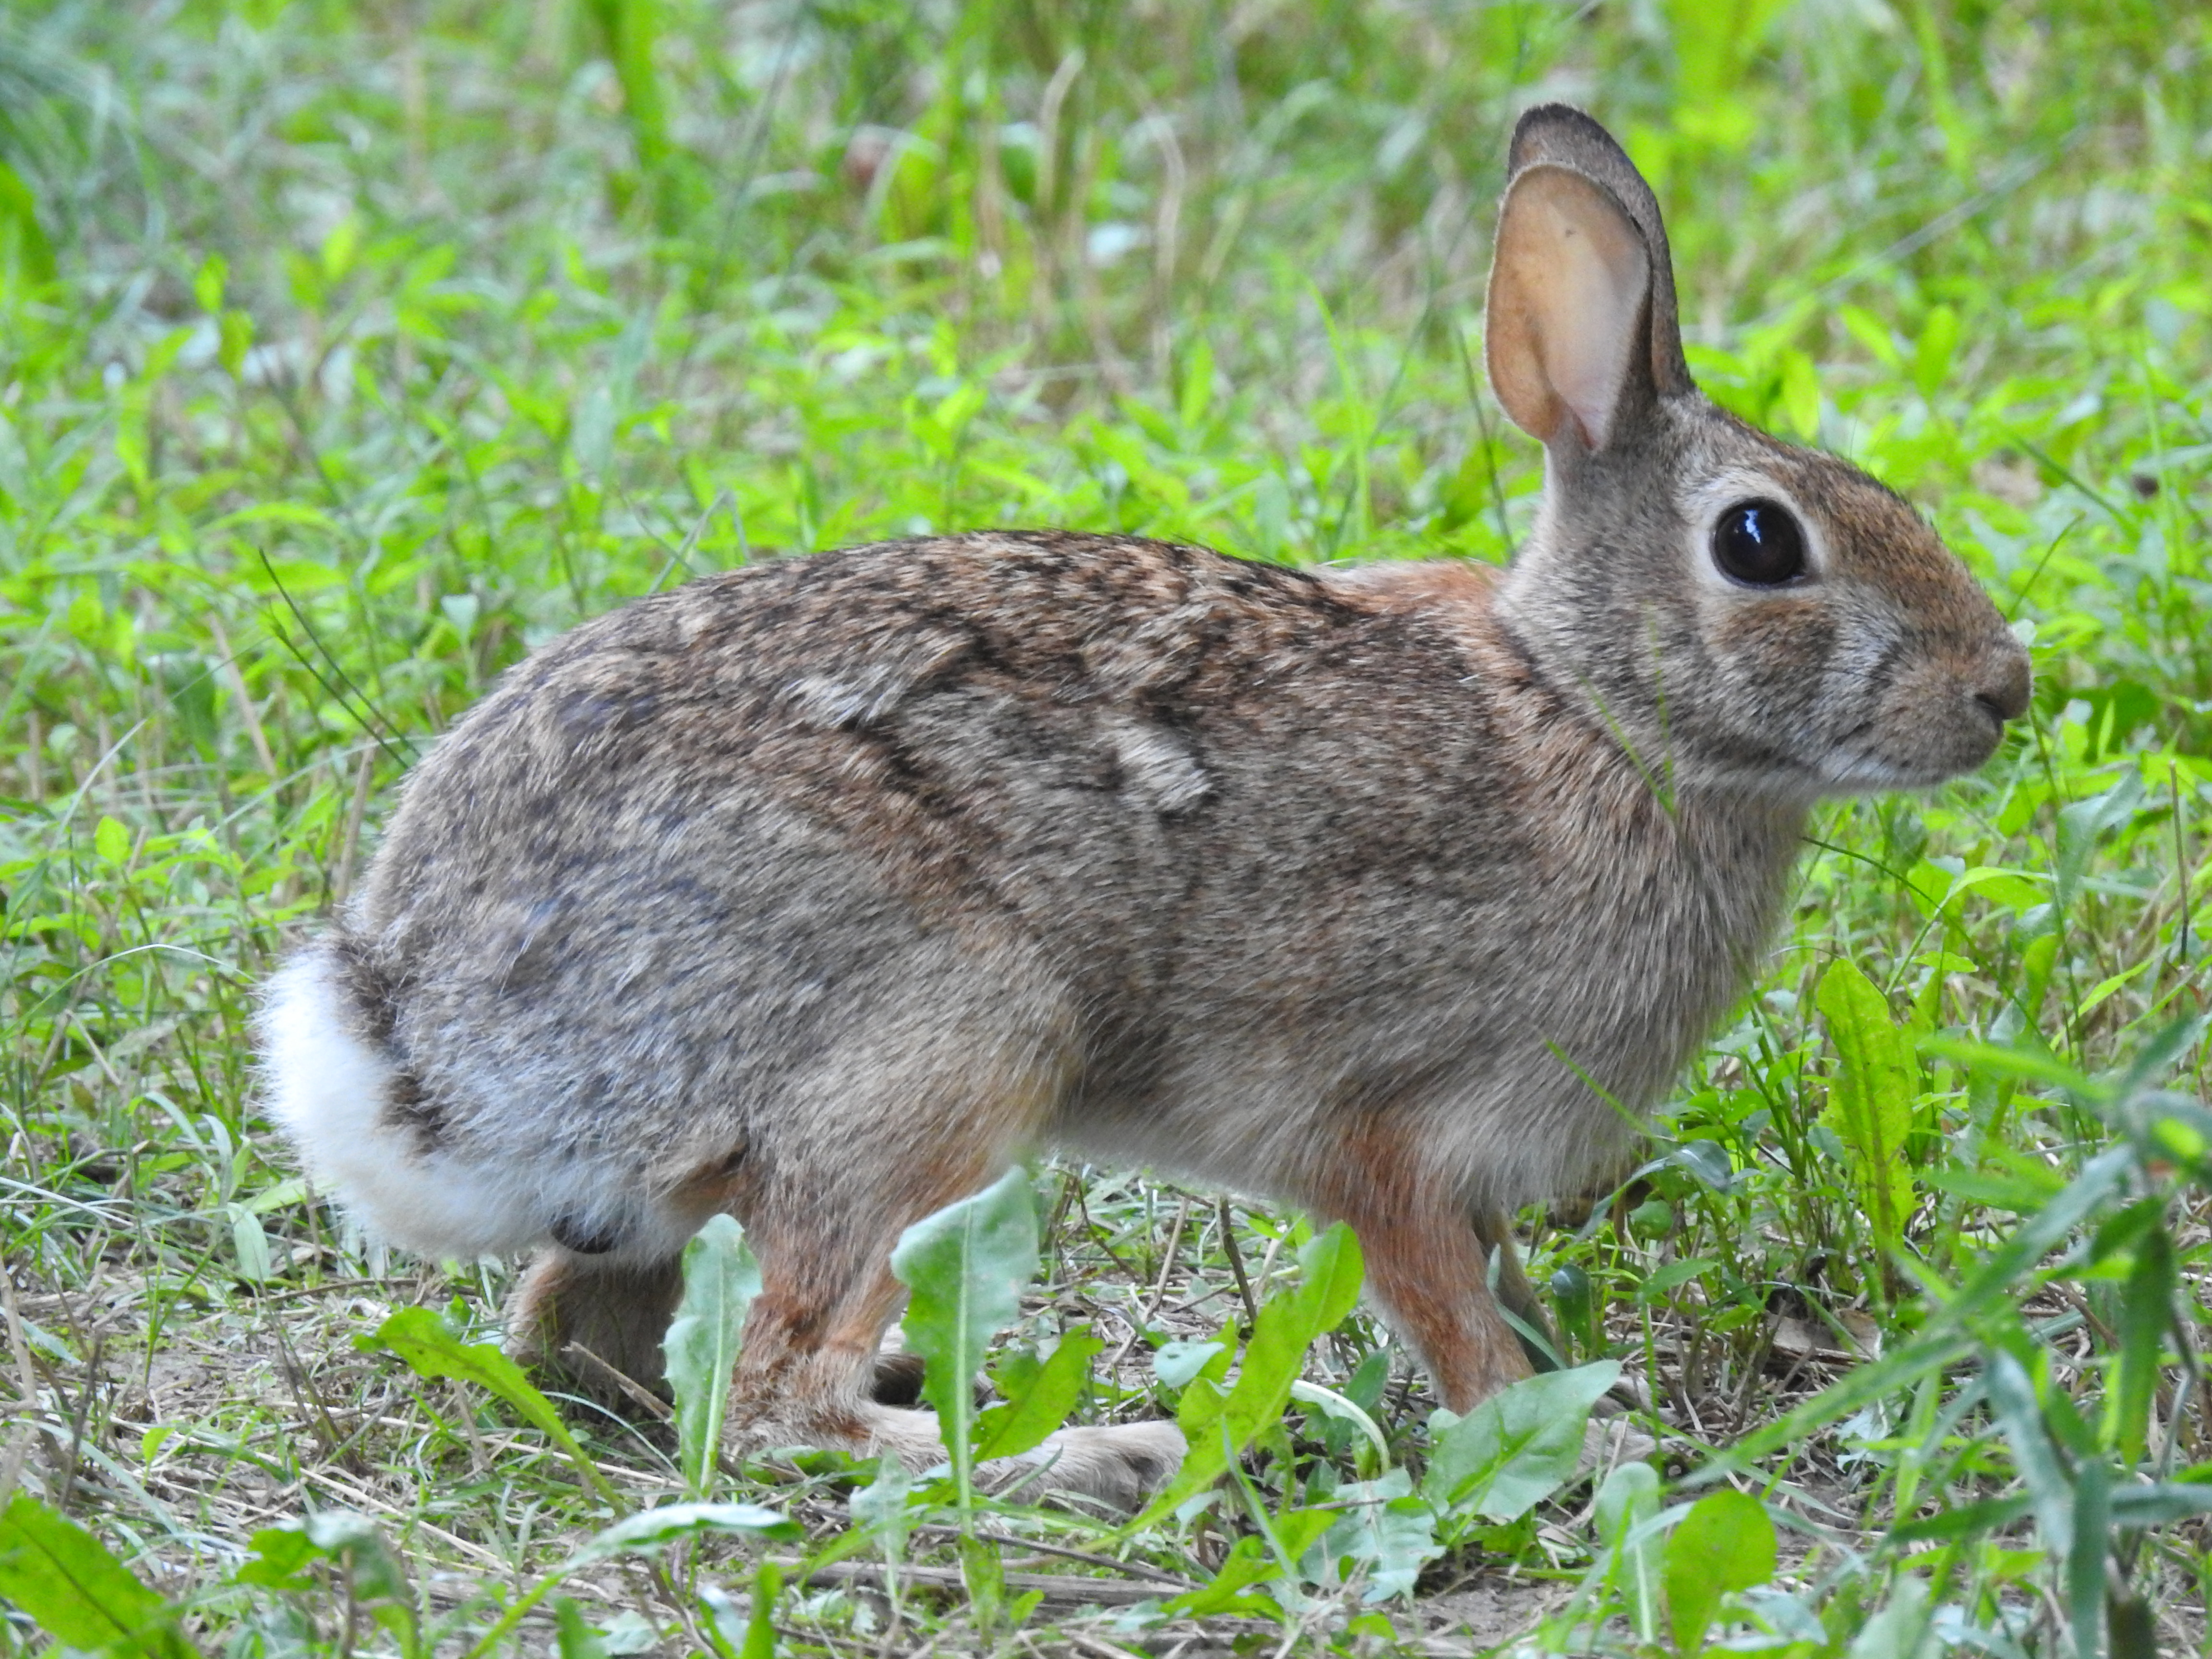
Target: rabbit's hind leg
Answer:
[[592, 1323], [809, 1372], [598, 1327]]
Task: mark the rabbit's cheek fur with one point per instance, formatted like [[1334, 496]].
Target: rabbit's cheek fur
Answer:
[[1761, 706], [1925, 673]]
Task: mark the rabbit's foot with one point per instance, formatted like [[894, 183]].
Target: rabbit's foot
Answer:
[[1608, 1442], [1114, 1467], [1110, 1468], [595, 1325]]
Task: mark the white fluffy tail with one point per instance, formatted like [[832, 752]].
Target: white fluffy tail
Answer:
[[332, 1092]]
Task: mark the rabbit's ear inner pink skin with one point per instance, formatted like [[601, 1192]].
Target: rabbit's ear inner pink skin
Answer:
[[1564, 329], [1564, 136]]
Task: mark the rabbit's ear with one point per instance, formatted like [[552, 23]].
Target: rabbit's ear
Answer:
[[1564, 136], [1568, 313]]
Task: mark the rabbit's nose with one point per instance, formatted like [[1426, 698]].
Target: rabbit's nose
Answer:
[[2002, 683]]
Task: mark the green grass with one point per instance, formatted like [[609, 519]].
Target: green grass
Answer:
[[348, 353]]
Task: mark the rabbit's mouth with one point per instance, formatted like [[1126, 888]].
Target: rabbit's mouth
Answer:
[[1866, 773], [1929, 715], [1875, 756]]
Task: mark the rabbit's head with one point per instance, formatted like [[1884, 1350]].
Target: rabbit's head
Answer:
[[1740, 613]]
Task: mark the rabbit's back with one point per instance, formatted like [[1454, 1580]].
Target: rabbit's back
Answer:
[[996, 736]]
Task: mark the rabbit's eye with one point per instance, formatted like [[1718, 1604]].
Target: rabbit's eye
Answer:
[[1759, 543]]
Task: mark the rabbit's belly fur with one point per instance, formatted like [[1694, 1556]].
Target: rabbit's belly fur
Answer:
[[754, 896]]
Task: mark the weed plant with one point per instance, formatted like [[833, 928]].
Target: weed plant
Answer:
[[348, 352]]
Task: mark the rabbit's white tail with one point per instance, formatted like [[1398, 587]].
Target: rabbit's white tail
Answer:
[[339, 1096]]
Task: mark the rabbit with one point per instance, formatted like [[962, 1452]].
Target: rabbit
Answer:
[[818, 891]]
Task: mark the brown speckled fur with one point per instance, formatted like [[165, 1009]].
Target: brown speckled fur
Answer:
[[816, 891]]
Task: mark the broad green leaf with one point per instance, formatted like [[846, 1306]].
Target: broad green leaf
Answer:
[[1870, 1104], [1517, 1448], [2156, 1505], [1023, 1422], [965, 1267], [1332, 1403], [2016, 890], [2083, 824], [655, 1529], [2114, 983], [1177, 1363], [1708, 1160], [1220, 1424], [419, 1338], [1798, 399], [1386, 1530], [1968, 1520], [1289, 1537], [760, 1623], [234, 339], [1196, 394], [23, 242], [1873, 333], [65, 1579], [720, 1279], [1934, 886], [1725, 1543], [113, 842], [983, 1573], [1231, 1590], [280, 1555], [880, 1507], [250, 1244], [279, 1558], [1674, 1276], [573, 1639], [2086, 1555], [282, 1196], [1900, 1630], [208, 282], [2146, 1315], [2023, 1192], [1931, 355], [628, 29], [358, 1543], [1627, 1505], [2012, 1394]]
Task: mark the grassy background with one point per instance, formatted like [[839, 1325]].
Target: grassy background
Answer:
[[347, 352]]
